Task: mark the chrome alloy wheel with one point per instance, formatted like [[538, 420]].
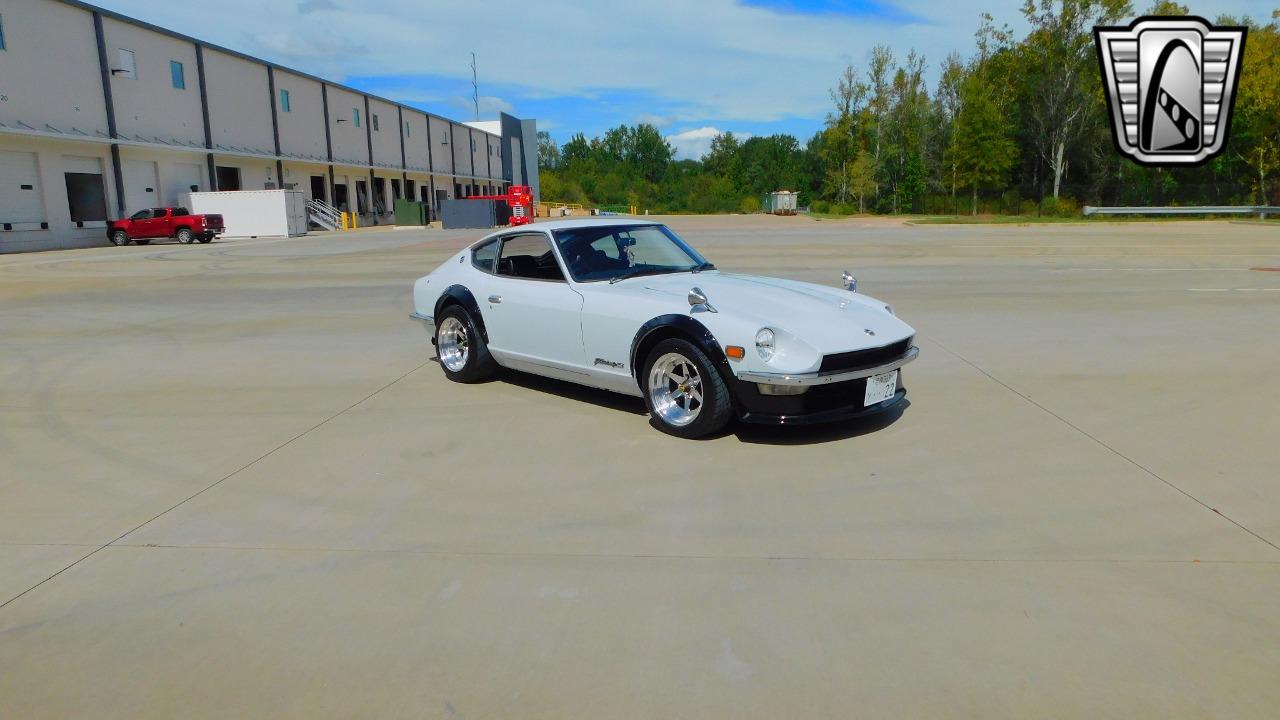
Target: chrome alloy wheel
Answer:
[[452, 344], [675, 389]]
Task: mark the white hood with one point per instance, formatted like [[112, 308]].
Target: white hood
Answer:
[[828, 319]]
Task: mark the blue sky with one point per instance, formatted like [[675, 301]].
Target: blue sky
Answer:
[[693, 68]]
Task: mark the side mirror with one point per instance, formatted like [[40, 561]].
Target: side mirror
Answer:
[[698, 299]]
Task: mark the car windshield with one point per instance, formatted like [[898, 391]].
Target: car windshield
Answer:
[[616, 252]]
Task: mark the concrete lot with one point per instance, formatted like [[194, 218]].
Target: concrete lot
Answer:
[[235, 484]]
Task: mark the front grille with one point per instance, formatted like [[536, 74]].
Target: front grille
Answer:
[[858, 359]]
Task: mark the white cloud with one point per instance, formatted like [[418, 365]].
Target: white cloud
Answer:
[[693, 144], [658, 121], [713, 59], [489, 106]]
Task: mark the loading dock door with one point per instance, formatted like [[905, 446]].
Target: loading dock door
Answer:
[[21, 199], [140, 185], [186, 179], [86, 190], [317, 188], [228, 178]]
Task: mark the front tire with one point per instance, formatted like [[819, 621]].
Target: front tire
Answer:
[[185, 236], [461, 349], [120, 238], [683, 392]]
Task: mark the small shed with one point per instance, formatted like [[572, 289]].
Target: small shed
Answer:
[[781, 202]]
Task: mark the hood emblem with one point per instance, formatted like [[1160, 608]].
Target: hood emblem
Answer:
[[869, 331]]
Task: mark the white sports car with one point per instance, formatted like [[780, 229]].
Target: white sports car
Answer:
[[627, 306]]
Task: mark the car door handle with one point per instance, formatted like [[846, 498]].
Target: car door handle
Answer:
[[495, 299]]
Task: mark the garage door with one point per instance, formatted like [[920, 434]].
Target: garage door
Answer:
[[140, 186], [185, 175], [21, 199]]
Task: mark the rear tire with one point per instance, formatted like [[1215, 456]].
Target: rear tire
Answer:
[[120, 238], [684, 392], [185, 236], [461, 349]]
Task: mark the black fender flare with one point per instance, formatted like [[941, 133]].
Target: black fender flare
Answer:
[[461, 295], [690, 329]]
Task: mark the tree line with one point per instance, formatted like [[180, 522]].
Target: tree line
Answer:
[[1019, 126]]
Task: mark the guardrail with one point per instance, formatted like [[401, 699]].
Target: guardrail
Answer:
[[1260, 210]]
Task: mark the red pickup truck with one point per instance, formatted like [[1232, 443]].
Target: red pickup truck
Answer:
[[173, 222]]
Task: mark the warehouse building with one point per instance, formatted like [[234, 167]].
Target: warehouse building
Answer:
[[102, 115]]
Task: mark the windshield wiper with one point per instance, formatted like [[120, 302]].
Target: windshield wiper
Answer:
[[638, 271], [703, 266]]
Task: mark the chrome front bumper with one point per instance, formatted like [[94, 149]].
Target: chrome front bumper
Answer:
[[816, 379], [429, 321]]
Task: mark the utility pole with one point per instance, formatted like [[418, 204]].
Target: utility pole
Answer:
[[475, 87]]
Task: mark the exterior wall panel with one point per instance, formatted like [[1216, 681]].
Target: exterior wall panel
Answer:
[[350, 144], [302, 127], [239, 104], [441, 146], [386, 135], [45, 39], [417, 145], [461, 142], [148, 107]]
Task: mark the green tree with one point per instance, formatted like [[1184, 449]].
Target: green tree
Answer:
[[548, 151], [1058, 55], [984, 150]]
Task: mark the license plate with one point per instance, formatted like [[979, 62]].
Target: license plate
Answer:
[[880, 388]]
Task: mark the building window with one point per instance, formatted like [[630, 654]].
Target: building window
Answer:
[[355, 115], [177, 75], [375, 122], [2, 45], [473, 144], [127, 65], [284, 101], [408, 132], [444, 139]]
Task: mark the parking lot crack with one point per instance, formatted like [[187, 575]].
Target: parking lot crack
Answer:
[[221, 480], [1101, 443]]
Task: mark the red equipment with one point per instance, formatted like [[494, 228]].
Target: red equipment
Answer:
[[519, 198]]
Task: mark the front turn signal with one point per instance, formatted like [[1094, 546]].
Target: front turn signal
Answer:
[[737, 352]]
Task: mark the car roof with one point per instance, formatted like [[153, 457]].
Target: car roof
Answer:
[[576, 223]]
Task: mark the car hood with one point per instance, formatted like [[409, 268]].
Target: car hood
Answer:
[[828, 319]]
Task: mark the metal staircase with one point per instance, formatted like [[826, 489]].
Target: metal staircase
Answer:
[[324, 215]]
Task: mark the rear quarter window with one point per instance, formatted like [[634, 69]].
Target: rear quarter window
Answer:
[[485, 257]]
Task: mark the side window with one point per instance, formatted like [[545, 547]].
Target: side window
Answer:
[[141, 215], [485, 257], [158, 212], [529, 257], [181, 212]]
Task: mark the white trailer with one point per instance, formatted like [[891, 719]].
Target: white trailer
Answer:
[[255, 213]]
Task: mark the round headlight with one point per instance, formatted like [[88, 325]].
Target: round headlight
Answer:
[[765, 343]]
